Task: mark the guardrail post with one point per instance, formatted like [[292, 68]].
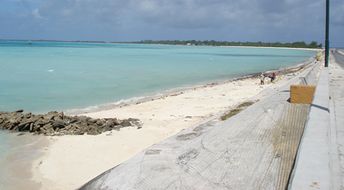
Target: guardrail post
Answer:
[[327, 30]]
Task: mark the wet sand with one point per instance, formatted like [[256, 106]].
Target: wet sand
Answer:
[[17, 165]]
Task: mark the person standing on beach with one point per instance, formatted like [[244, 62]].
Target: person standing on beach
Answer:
[[262, 78], [273, 76]]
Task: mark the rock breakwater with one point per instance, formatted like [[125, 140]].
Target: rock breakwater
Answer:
[[56, 123]]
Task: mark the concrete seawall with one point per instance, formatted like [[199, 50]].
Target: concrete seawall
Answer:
[[252, 150]]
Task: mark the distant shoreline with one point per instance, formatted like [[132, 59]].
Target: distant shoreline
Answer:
[[157, 43]]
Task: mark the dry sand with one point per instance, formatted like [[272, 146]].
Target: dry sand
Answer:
[[71, 161]]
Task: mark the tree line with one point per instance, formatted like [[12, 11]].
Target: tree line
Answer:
[[299, 44]]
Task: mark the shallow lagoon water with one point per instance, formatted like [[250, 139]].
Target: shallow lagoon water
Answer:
[[43, 76]]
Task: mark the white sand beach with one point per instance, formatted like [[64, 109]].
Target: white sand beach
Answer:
[[71, 161]]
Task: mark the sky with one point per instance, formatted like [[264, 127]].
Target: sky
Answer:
[[132, 20]]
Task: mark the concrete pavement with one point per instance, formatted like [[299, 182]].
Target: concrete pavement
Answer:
[[320, 160], [337, 118]]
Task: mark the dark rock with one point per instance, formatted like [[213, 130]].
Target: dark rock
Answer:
[[100, 122], [83, 118], [28, 115], [56, 123], [24, 126], [50, 115], [109, 124], [93, 121], [126, 123], [72, 120]]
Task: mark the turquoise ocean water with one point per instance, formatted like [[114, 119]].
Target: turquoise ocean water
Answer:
[[43, 76]]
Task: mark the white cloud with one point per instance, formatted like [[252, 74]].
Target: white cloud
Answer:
[[148, 5], [36, 14]]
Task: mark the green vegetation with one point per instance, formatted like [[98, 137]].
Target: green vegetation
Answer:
[[236, 110], [313, 44]]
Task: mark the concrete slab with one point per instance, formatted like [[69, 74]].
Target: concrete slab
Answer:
[[337, 120]]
